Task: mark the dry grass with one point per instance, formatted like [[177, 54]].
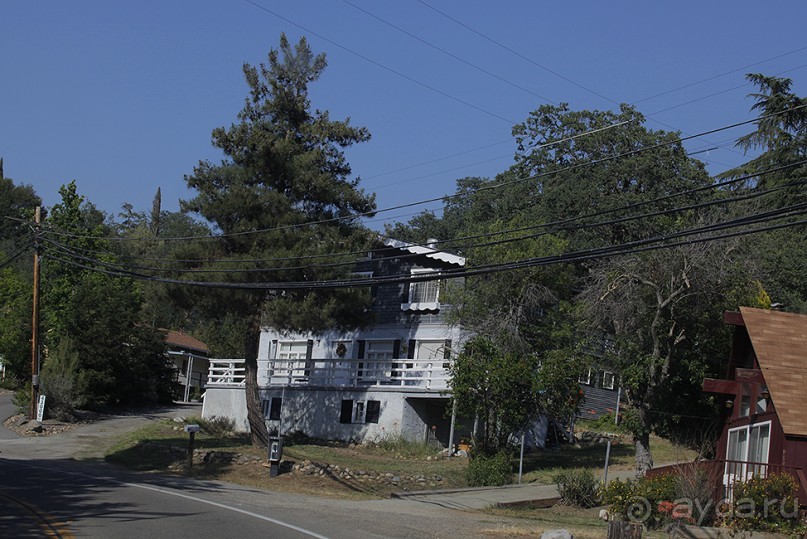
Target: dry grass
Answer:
[[144, 450], [140, 450], [581, 523]]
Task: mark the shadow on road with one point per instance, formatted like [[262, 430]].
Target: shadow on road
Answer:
[[37, 495]]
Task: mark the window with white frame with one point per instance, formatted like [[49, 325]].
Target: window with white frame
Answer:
[[747, 452], [379, 350], [608, 379], [423, 294], [291, 355], [585, 377], [378, 353]]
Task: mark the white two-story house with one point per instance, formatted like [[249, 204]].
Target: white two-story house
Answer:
[[388, 379]]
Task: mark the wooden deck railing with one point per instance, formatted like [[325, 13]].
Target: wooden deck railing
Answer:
[[424, 374], [723, 474], [226, 372], [735, 470], [429, 374]]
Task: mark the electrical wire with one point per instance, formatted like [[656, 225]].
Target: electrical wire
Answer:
[[492, 186], [382, 66], [554, 226], [516, 53], [10, 259], [352, 263], [449, 54], [638, 246]]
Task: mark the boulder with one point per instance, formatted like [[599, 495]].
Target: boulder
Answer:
[[33, 426], [557, 534]]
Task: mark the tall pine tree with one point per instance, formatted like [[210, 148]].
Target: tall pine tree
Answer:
[[282, 193]]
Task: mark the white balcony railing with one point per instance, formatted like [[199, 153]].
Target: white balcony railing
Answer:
[[226, 372], [428, 374]]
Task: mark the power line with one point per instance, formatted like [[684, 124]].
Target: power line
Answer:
[[648, 244], [543, 67], [449, 54], [493, 186], [512, 51], [737, 70], [382, 66], [352, 263], [10, 259]]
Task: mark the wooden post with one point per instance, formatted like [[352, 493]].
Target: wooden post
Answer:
[[35, 318], [190, 449], [621, 529]]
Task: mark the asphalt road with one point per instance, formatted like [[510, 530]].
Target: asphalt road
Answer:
[[58, 486]]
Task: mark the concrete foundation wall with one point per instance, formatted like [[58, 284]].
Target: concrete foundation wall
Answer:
[[316, 412], [227, 402]]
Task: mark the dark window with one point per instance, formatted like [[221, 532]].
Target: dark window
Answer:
[[346, 414], [373, 411], [274, 408]]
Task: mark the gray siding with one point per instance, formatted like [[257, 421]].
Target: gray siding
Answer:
[[597, 402]]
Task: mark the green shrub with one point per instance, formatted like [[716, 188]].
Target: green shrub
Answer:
[[489, 471], [645, 500], [60, 382], [766, 504], [578, 488], [10, 383], [22, 399]]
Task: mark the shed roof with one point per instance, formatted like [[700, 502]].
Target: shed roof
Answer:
[[780, 343], [179, 340]]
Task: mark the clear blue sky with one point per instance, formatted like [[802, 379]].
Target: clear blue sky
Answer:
[[122, 96]]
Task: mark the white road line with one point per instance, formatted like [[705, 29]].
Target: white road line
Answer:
[[186, 496]]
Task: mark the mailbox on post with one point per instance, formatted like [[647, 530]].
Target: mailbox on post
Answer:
[[275, 454], [191, 430]]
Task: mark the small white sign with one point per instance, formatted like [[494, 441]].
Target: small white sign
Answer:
[[40, 410]]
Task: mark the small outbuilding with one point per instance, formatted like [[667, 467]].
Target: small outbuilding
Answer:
[[191, 358]]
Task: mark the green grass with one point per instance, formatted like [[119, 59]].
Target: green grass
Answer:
[[542, 466]]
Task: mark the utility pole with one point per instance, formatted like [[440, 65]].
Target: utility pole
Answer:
[[35, 318]]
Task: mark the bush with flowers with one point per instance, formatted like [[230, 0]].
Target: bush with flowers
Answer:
[[765, 504], [643, 500]]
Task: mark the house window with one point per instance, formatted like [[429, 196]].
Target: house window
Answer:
[[430, 349], [608, 380], [745, 404], [747, 452], [379, 350], [291, 351], [423, 295], [762, 404], [585, 378], [292, 357], [274, 408], [354, 411]]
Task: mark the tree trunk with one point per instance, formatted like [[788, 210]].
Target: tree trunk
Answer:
[[644, 460], [257, 423]]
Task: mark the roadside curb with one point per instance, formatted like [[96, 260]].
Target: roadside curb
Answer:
[[412, 493]]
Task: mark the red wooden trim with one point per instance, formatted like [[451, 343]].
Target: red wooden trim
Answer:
[[748, 375], [733, 318], [727, 387], [802, 487]]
